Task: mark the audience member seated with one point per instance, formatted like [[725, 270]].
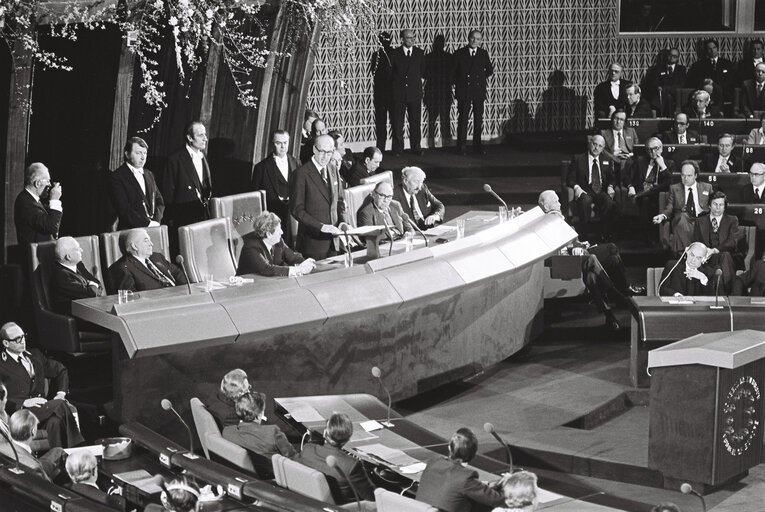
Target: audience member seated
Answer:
[[3, 412], [337, 433], [306, 151], [82, 468], [757, 135], [751, 282], [520, 491], [34, 221], [417, 200], [719, 69], [680, 134], [700, 106], [23, 427], [619, 144], [380, 209], [611, 95], [592, 177], [752, 56], [24, 374], [666, 507], [134, 191], [450, 486], [70, 280], [249, 433], [650, 176], [265, 253], [685, 202], [752, 92], [662, 81], [637, 106], [141, 268], [346, 155], [690, 275], [364, 167], [720, 233], [181, 494], [223, 406], [754, 193], [724, 160]]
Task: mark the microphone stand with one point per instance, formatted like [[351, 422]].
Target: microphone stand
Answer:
[[179, 260], [405, 218], [718, 275], [390, 236], [348, 256], [168, 406], [17, 469]]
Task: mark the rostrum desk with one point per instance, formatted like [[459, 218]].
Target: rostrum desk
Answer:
[[425, 317]]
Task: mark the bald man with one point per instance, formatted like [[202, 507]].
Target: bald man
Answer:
[[36, 222], [141, 268], [70, 279], [592, 177], [381, 209], [690, 275]]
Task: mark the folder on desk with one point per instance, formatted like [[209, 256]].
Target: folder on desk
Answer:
[[392, 456], [140, 479]]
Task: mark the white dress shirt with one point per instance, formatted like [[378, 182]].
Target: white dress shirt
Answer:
[[615, 89], [196, 158], [416, 204], [720, 161], [139, 177], [695, 188], [283, 165]]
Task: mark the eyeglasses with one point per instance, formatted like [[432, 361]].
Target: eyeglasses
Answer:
[[18, 339], [654, 148], [756, 173], [384, 196], [324, 151], [680, 123]]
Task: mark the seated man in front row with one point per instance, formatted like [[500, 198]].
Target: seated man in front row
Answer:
[[265, 253], [141, 268], [417, 200], [24, 374], [689, 275], [70, 280], [23, 428], [82, 468], [592, 177], [720, 233], [380, 209]]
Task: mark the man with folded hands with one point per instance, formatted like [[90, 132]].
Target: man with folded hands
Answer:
[[265, 253]]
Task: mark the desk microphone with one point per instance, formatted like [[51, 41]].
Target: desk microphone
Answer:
[[406, 219], [332, 462], [718, 276], [7, 436], [489, 428], [179, 261], [487, 188], [390, 236], [168, 406], [344, 228], [686, 488], [377, 373]]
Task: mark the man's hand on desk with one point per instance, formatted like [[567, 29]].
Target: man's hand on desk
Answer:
[[34, 402], [306, 267], [431, 220], [332, 230]]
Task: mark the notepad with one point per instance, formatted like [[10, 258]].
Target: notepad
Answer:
[[304, 413], [96, 449], [140, 479], [440, 230], [392, 456]]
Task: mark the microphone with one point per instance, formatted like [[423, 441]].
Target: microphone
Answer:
[[686, 488], [405, 218], [718, 275], [344, 228], [489, 428], [487, 188], [661, 101], [168, 406], [7, 436], [332, 462], [179, 261], [390, 235], [377, 373]]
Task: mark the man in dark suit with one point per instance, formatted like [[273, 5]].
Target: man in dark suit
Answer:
[[753, 52], [701, 107], [273, 175], [70, 280], [185, 184], [662, 80], [24, 374], [318, 128], [754, 193], [34, 221], [365, 166], [417, 200], [82, 468], [751, 282], [134, 191], [650, 176], [406, 76], [724, 160], [637, 106], [620, 143], [611, 95], [381, 68], [685, 202], [472, 66], [450, 486], [591, 175], [719, 232], [680, 134], [690, 275], [719, 69], [251, 434], [337, 433], [265, 253], [23, 428], [318, 203], [753, 91], [381, 210], [141, 268]]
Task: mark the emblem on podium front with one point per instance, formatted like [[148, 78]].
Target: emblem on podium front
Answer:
[[739, 408]]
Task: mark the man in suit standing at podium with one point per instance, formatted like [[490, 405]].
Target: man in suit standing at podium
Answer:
[[472, 67], [141, 268], [70, 280], [273, 175], [34, 221], [407, 63], [134, 191]]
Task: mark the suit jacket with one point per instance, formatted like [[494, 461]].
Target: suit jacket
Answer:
[[67, 286], [671, 137], [314, 203], [406, 74], [264, 440], [267, 176], [315, 455], [427, 202], [130, 274], [95, 494], [451, 487], [750, 99], [747, 195], [755, 137], [727, 232], [710, 162], [603, 98], [579, 172], [185, 197], [641, 111], [470, 74], [46, 467], [21, 386], [753, 278], [724, 74], [677, 282], [630, 139], [134, 208], [34, 222], [368, 215], [640, 170], [381, 69], [356, 173], [676, 198], [255, 258], [713, 111]]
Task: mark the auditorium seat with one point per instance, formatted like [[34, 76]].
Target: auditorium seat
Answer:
[[206, 248], [652, 281], [57, 332], [354, 198], [301, 479], [377, 178], [387, 501], [242, 210], [113, 248], [213, 442], [563, 277]]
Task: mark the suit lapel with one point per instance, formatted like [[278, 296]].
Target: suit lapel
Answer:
[[76, 275], [191, 171], [141, 267], [318, 182]]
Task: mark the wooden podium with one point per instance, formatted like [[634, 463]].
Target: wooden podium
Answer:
[[706, 415]]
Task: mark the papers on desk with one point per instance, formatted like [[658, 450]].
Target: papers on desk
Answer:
[[440, 230], [304, 413], [677, 300], [688, 299], [412, 469], [757, 300], [140, 479], [362, 230], [96, 449], [371, 425], [391, 456]]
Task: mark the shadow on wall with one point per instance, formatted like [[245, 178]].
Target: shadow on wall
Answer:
[[560, 108], [438, 97], [228, 174]]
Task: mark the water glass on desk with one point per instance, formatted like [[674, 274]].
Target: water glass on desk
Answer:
[[408, 241], [460, 228], [208, 280], [124, 296], [502, 214]]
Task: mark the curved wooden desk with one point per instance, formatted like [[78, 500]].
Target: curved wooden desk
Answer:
[[425, 317]]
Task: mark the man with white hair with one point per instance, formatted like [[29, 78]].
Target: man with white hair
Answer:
[[141, 268], [82, 468], [417, 200], [689, 275], [701, 107], [34, 221], [70, 279]]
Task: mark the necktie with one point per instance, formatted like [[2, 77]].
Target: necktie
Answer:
[[162, 278], [681, 139], [715, 225], [757, 195], [650, 178], [690, 204], [23, 361], [596, 184], [622, 144], [415, 215], [472, 53]]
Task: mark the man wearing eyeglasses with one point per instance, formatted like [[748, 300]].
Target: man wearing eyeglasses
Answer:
[[24, 374], [648, 177], [382, 210], [754, 193], [680, 134], [611, 95]]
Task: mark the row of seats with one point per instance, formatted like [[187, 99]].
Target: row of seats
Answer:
[[709, 127]]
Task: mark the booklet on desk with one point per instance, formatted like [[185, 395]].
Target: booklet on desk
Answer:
[[140, 479]]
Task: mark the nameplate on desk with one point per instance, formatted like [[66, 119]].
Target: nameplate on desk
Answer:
[[56, 506], [757, 300], [234, 490], [145, 304], [164, 459]]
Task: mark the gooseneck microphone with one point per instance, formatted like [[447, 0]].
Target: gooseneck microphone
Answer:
[[686, 488], [168, 406], [718, 276], [489, 428], [7, 437], [344, 228], [487, 188], [390, 236], [406, 219], [179, 261], [332, 462], [377, 373]]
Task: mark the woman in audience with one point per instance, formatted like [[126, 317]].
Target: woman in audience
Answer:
[[520, 491], [233, 385], [180, 494], [265, 253]]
